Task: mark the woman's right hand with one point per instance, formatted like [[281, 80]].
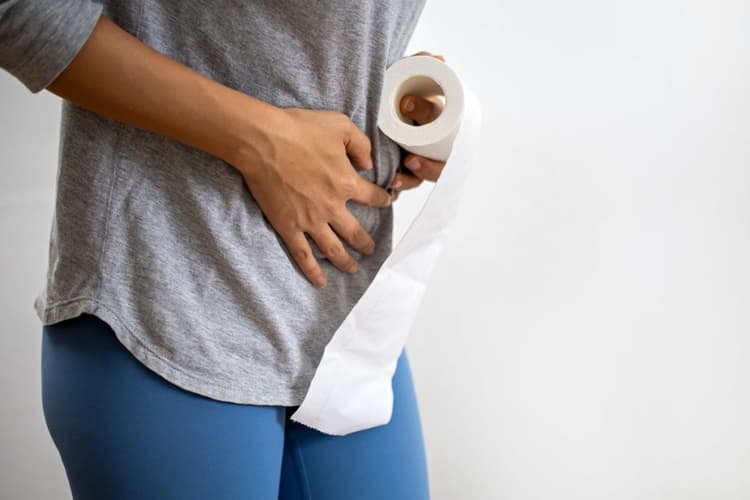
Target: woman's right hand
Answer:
[[301, 177], [294, 161]]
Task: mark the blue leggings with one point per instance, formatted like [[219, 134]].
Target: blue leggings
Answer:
[[125, 433]]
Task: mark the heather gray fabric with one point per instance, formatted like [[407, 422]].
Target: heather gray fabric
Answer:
[[164, 242]]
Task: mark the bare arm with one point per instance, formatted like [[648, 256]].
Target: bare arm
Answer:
[[118, 76]]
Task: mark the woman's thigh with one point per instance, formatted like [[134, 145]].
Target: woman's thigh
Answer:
[[381, 463], [125, 433]]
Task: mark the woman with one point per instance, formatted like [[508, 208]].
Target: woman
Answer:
[[223, 200]]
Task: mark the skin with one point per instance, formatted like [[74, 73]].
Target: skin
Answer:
[[299, 164], [421, 110]]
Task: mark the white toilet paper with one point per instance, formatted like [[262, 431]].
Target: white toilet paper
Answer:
[[352, 386]]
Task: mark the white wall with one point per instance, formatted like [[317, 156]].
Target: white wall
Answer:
[[585, 335], [30, 467]]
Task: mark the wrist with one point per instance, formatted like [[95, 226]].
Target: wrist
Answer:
[[250, 131]]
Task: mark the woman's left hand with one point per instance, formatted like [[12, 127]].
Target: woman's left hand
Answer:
[[421, 110]]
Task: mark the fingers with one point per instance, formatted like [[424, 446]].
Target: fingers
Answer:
[[421, 109], [404, 180], [424, 168], [368, 193], [358, 147], [330, 244], [348, 227], [420, 169], [303, 256], [425, 53], [401, 182]]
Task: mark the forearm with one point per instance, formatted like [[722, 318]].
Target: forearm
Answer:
[[117, 76]]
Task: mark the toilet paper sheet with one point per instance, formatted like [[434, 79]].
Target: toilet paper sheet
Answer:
[[351, 389]]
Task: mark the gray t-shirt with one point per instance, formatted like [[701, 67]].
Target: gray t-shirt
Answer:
[[165, 242]]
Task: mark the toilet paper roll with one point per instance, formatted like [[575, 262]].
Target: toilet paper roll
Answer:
[[422, 76], [351, 389]]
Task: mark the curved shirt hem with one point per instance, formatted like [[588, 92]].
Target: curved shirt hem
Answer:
[[166, 369]]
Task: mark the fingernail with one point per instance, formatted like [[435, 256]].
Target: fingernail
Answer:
[[396, 184], [413, 163], [409, 104], [320, 281]]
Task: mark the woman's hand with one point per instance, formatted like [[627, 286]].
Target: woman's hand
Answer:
[[302, 177], [294, 161], [421, 110]]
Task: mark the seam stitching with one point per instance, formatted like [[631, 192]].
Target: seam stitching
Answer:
[[115, 156], [140, 342], [107, 217]]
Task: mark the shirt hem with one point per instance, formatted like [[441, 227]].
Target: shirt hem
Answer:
[[70, 308]]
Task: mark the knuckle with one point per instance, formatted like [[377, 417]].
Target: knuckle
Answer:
[[330, 206], [342, 119], [290, 224], [302, 255], [310, 215], [333, 250], [348, 184], [286, 226]]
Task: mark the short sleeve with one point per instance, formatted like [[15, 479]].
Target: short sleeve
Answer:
[[39, 38]]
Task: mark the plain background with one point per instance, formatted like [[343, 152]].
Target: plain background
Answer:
[[585, 335]]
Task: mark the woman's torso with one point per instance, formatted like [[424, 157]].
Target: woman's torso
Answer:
[[166, 242]]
